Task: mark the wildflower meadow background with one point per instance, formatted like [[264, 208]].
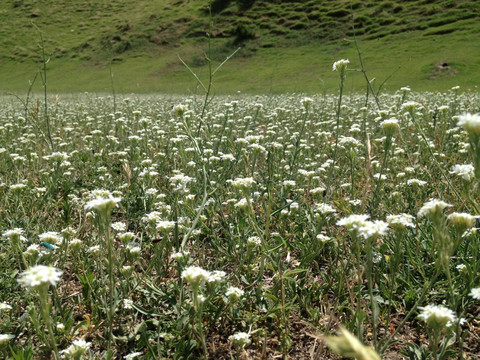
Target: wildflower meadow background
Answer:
[[255, 230], [338, 223]]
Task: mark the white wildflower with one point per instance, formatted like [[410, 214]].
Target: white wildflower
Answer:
[[372, 229], [103, 204], [353, 222], [133, 248], [119, 226], [416, 182], [323, 238], [50, 237], [132, 356], [127, 304], [400, 221], [470, 122], [164, 225], [240, 339], [243, 183], [14, 235], [6, 337], [17, 187], [39, 275], [461, 267], [77, 349], [126, 236], [195, 275], [466, 172], [254, 241], [317, 190], [431, 207], [180, 255], [340, 65], [5, 306], [234, 293], [95, 249], [410, 106], [179, 110], [437, 316], [463, 220], [475, 293], [242, 204], [324, 209], [306, 101], [216, 276], [390, 126]]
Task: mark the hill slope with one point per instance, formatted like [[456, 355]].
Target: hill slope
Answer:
[[285, 45]]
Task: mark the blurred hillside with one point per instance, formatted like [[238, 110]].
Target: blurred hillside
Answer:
[[285, 46]]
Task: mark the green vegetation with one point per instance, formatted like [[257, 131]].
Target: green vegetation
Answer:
[[254, 229], [286, 46]]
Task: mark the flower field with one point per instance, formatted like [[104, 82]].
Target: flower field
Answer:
[[249, 227]]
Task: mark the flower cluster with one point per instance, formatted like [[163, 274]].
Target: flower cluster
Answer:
[[364, 227], [195, 275], [340, 65], [432, 207], [243, 183], [401, 221], [40, 275], [240, 339], [470, 122], [103, 201], [76, 350], [437, 316], [466, 172]]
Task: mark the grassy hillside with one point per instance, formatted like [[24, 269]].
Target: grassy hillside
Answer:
[[285, 45]]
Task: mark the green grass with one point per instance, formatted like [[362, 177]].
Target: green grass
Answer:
[[288, 44]]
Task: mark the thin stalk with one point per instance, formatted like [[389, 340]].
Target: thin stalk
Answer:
[[434, 345], [198, 313], [111, 281], [396, 259], [20, 257], [44, 308], [370, 284], [268, 215], [207, 89], [282, 304], [388, 143], [176, 239], [352, 176], [358, 310], [339, 107], [44, 81], [205, 188], [113, 93], [450, 287], [362, 67], [210, 73], [251, 215]]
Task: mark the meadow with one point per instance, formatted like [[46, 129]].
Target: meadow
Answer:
[[245, 227]]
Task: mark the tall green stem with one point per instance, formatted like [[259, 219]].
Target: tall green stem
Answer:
[[373, 303], [111, 280], [339, 107], [198, 312], [44, 309], [388, 143]]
